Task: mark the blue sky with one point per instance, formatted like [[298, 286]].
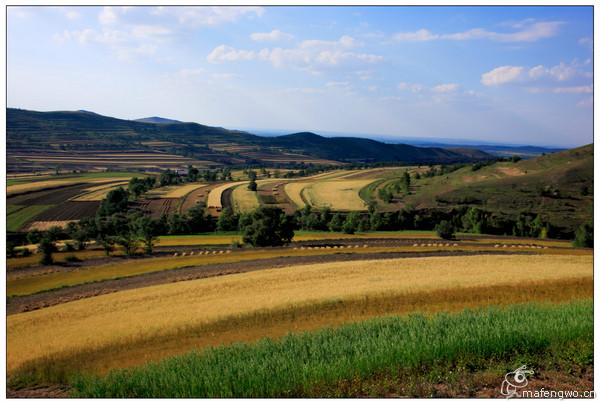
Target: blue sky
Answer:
[[519, 75]]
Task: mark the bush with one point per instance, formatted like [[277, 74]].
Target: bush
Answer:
[[445, 230]]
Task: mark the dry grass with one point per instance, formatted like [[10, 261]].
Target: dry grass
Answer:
[[338, 195], [170, 310], [214, 198], [294, 191]]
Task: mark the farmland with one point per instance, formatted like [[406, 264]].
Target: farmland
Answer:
[[320, 280], [366, 268]]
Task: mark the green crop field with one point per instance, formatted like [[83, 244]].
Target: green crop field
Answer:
[[300, 364]]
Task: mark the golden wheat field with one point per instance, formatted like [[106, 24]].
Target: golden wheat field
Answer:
[[172, 308], [338, 195], [214, 198]]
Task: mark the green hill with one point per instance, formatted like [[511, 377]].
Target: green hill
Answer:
[[557, 186]]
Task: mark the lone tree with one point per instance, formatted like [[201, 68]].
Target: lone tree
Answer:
[[266, 226], [445, 230]]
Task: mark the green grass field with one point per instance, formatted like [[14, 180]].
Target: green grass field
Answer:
[[298, 365], [20, 217]]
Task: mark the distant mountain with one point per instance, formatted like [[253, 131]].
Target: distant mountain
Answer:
[[360, 150], [27, 130], [156, 119]]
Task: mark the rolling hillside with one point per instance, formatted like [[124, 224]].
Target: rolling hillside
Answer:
[[558, 186], [31, 133]]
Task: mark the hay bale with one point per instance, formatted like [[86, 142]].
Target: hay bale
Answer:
[[175, 255]]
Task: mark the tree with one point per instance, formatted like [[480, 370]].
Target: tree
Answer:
[[584, 235], [198, 219], [227, 220], [34, 236], [106, 231], [351, 223], [81, 231], [47, 245], [266, 226], [445, 230], [336, 223], [129, 241], [148, 230], [115, 202]]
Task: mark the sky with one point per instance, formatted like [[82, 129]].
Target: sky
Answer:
[[513, 75]]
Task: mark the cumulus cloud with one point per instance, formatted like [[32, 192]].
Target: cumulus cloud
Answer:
[[273, 36], [508, 74], [225, 53], [310, 55], [502, 74], [445, 88], [530, 32]]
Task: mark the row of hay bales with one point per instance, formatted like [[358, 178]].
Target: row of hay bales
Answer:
[[518, 246], [329, 247], [184, 254], [434, 245]]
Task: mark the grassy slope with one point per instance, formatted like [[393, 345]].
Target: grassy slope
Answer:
[[514, 187]]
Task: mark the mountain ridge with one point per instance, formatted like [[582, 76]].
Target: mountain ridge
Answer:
[[31, 129]]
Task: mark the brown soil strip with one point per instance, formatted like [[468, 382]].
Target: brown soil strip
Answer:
[[20, 304]]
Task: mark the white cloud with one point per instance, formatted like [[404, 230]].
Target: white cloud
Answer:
[[226, 76], [575, 90], [445, 88], [209, 16], [273, 36], [502, 74], [417, 36], [337, 84], [107, 16], [403, 86], [225, 53], [154, 32], [533, 32], [311, 55]]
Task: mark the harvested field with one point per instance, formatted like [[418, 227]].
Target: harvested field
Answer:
[[294, 191], [172, 191], [48, 184], [338, 195], [135, 316], [198, 196], [214, 198], [35, 301], [98, 193], [46, 225], [273, 194], [244, 200], [156, 207]]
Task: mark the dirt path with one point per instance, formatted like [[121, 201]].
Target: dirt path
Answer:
[[40, 300]]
